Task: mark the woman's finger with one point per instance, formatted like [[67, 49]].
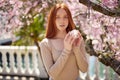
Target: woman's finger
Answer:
[[79, 34], [72, 41], [67, 36]]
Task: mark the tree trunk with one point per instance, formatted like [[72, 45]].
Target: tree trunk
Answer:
[[106, 58], [101, 9]]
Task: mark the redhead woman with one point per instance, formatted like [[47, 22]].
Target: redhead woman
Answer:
[[63, 50]]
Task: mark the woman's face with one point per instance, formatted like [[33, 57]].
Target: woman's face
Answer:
[[61, 20]]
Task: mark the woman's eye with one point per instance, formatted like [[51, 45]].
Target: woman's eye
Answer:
[[65, 17], [57, 17]]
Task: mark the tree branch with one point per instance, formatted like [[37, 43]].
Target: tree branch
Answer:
[[101, 9]]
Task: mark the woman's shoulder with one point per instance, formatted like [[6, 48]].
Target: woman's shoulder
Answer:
[[45, 41]]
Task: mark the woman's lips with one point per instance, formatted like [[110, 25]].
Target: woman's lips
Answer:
[[62, 25]]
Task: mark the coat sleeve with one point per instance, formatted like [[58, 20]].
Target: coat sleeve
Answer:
[[53, 69], [80, 54]]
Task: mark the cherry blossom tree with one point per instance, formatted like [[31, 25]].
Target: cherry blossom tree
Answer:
[[99, 24]]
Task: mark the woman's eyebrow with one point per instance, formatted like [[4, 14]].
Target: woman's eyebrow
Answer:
[[65, 15], [62, 15]]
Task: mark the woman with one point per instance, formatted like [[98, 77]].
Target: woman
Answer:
[[63, 52]]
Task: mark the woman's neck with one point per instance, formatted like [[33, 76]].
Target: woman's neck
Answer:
[[61, 35]]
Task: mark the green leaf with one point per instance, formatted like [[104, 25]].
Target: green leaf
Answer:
[[34, 31]]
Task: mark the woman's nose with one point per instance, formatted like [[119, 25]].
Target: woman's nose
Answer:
[[62, 20]]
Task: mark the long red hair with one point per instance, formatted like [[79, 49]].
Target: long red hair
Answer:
[[51, 29]]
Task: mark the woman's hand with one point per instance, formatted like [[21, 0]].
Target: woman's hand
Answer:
[[68, 41], [76, 34], [78, 40]]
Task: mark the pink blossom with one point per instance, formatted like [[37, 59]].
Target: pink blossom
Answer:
[[12, 1], [110, 3], [44, 5]]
